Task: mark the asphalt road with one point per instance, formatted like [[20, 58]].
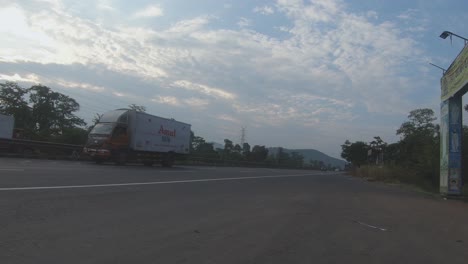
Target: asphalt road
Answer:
[[65, 212]]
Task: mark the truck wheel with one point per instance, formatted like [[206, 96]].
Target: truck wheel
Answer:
[[121, 158], [168, 160]]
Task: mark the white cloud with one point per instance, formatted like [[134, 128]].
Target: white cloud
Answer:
[[372, 14], [204, 89], [229, 118], [265, 10], [196, 102], [149, 11], [29, 78], [244, 22], [170, 100], [189, 25], [105, 5], [85, 86]]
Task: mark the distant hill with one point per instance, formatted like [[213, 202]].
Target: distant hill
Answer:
[[309, 154], [312, 154]]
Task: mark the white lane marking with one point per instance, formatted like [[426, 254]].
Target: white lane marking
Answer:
[[150, 183], [207, 168], [371, 226], [94, 169], [11, 169]]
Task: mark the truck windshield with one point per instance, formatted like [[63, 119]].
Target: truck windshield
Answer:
[[102, 128]]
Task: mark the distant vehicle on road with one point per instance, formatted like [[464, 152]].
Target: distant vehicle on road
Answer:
[[126, 135], [7, 124], [12, 142]]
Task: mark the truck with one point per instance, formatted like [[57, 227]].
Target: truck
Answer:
[[13, 143], [7, 124], [125, 135]]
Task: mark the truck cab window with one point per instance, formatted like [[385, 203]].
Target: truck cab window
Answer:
[[120, 131]]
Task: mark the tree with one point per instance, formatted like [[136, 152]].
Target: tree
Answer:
[[197, 142], [138, 108], [75, 135], [297, 160], [419, 147], [53, 112], [356, 153], [96, 118], [259, 153], [314, 164], [12, 102], [246, 150], [237, 148], [420, 122], [377, 147], [392, 152], [200, 148], [228, 146]]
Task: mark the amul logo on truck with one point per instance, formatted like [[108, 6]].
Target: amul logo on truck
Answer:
[[166, 134]]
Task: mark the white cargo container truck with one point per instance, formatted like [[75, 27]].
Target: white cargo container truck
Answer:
[[7, 124], [127, 135]]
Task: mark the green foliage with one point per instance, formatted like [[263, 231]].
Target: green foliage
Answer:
[[237, 149], [13, 102], [201, 149], [316, 164], [75, 135], [96, 118], [228, 146], [296, 160], [246, 150], [420, 123], [53, 112], [49, 116], [258, 154], [356, 152], [414, 159]]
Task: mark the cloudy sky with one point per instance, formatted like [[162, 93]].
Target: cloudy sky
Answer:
[[294, 73]]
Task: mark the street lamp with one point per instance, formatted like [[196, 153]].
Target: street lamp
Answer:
[[437, 66], [445, 34]]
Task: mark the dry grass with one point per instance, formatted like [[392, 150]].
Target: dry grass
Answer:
[[394, 174]]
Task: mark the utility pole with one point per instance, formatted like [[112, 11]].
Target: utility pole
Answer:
[[243, 131]]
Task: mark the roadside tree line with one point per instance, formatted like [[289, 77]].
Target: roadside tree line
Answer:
[[43, 114], [415, 158]]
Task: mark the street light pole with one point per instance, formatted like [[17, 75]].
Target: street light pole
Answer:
[[445, 34], [443, 70]]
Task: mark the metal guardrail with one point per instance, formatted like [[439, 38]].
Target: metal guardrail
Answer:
[[19, 148], [39, 149]]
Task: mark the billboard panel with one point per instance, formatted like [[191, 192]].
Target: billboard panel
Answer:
[[456, 76]]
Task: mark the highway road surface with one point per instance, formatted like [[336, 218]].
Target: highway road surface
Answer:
[[70, 212]]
